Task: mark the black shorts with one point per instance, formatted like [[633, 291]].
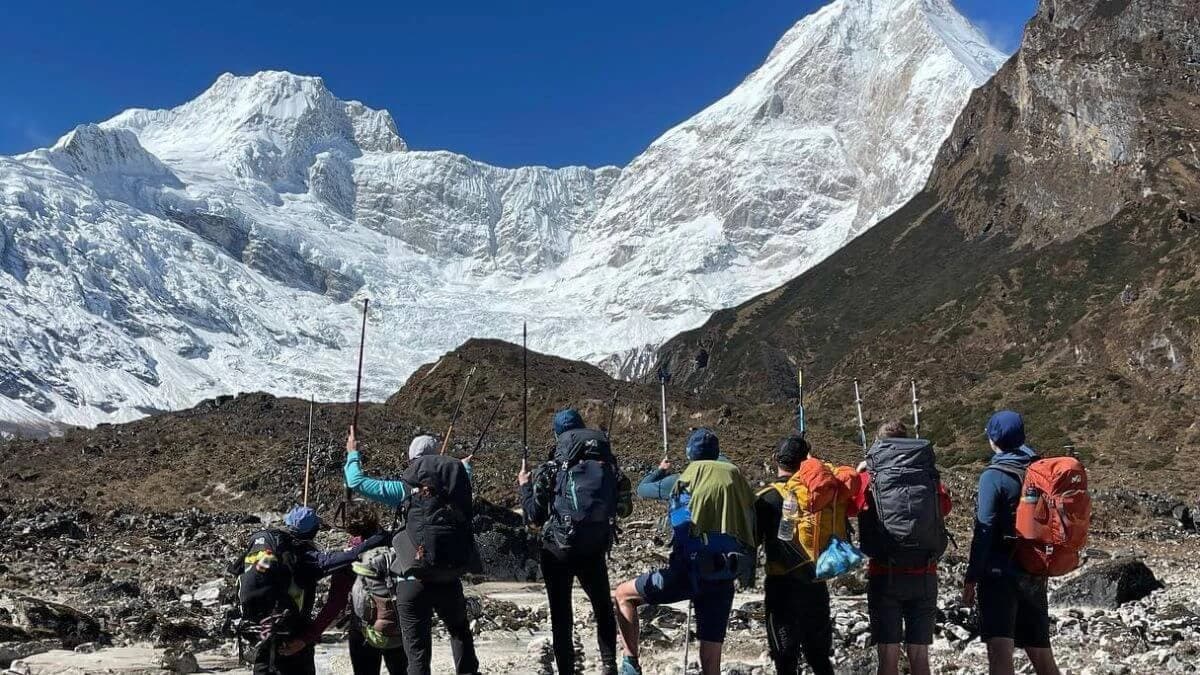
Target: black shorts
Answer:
[[1015, 607], [903, 608]]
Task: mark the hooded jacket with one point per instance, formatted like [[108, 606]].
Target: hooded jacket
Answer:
[[995, 515]]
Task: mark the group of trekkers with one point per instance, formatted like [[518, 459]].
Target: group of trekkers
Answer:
[[800, 521]]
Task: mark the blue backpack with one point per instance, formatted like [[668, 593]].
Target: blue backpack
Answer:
[[711, 556]]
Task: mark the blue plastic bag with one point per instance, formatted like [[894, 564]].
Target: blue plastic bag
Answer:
[[838, 558]]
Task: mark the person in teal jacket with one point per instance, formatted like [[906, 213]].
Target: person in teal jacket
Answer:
[[391, 493]]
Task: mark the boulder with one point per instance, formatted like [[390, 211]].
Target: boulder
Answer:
[[1108, 584], [42, 619]]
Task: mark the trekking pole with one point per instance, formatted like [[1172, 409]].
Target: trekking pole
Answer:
[[612, 413], [801, 423], [308, 451], [348, 494], [457, 408], [916, 402], [663, 377], [862, 427], [687, 636], [524, 396], [487, 427]]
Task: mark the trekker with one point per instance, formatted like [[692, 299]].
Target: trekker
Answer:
[[902, 530], [367, 655], [278, 585], [799, 620], [712, 518], [434, 547], [1013, 607], [576, 499]]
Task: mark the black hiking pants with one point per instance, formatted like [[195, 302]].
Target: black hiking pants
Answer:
[[268, 660], [416, 603], [798, 623], [559, 574], [369, 660]]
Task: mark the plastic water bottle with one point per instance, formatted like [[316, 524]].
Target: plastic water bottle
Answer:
[[787, 522]]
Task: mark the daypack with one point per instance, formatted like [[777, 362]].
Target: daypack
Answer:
[[1053, 515], [903, 523], [824, 493], [267, 588], [372, 599], [712, 520], [436, 540], [583, 501]]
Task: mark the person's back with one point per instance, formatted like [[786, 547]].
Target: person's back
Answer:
[[1013, 604], [574, 498], [797, 606]]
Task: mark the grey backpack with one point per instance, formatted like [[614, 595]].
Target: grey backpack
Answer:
[[903, 522]]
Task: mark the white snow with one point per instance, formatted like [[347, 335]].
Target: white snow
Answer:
[[167, 256]]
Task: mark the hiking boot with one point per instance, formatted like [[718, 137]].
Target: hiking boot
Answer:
[[630, 667]]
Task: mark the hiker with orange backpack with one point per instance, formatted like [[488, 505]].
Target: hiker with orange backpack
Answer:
[[1030, 523], [902, 529], [796, 517]]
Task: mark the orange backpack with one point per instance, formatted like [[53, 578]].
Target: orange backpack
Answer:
[[1053, 516], [823, 493]]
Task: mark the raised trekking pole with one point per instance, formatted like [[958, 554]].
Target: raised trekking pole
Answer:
[[348, 494], [801, 423], [664, 376], [524, 396], [312, 401], [862, 426], [612, 414], [457, 408], [916, 410], [491, 418]]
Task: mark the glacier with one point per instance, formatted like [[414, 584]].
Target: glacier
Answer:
[[166, 256]]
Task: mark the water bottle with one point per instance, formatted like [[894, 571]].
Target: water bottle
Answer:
[[787, 521]]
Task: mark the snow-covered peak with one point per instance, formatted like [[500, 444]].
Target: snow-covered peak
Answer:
[[89, 150]]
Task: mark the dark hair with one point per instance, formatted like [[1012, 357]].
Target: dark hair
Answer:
[[892, 429], [362, 523], [791, 451]]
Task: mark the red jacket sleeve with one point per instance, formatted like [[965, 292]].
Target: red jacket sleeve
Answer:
[[944, 499], [339, 596]]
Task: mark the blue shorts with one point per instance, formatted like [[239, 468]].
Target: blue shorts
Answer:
[[711, 600]]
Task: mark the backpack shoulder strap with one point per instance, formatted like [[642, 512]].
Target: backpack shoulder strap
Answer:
[[1010, 470]]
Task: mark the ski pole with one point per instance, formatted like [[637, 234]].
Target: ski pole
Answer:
[[524, 396], [663, 377], [348, 494], [457, 408], [488, 426], [862, 427], [801, 423], [916, 403], [308, 450]]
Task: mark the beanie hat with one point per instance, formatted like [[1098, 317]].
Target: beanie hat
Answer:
[[423, 445], [566, 420], [791, 451], [302, 520], [1007, 430], [703, 444]]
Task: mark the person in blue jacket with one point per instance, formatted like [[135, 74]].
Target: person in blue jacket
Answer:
[[391, 493], [659, 483], [1013, 607]]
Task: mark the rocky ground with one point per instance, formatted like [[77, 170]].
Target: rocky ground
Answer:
[[137, 592]]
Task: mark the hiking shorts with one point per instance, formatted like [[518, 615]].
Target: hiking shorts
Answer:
[[1014, 606], [902, 608], [711, 600]]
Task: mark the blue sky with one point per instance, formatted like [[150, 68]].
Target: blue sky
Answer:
[[512, 82]]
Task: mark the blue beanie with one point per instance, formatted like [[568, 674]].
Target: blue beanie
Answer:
[[566, 420], [1007, 430], [703, 444], [302, 520]]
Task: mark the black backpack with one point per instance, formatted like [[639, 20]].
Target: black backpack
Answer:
[[436, 541], [583, 501], [903, 523], [267, 585]]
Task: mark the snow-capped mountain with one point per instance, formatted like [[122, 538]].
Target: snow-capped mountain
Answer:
[[165, 256]]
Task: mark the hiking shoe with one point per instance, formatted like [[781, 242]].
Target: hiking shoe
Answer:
[[630, 667]]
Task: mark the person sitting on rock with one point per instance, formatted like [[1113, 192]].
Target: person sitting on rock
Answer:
[[575, 498], [712, 519], [1014, 610]]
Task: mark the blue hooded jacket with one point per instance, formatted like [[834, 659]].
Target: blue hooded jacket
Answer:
[[999, 494], [658, 484]]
